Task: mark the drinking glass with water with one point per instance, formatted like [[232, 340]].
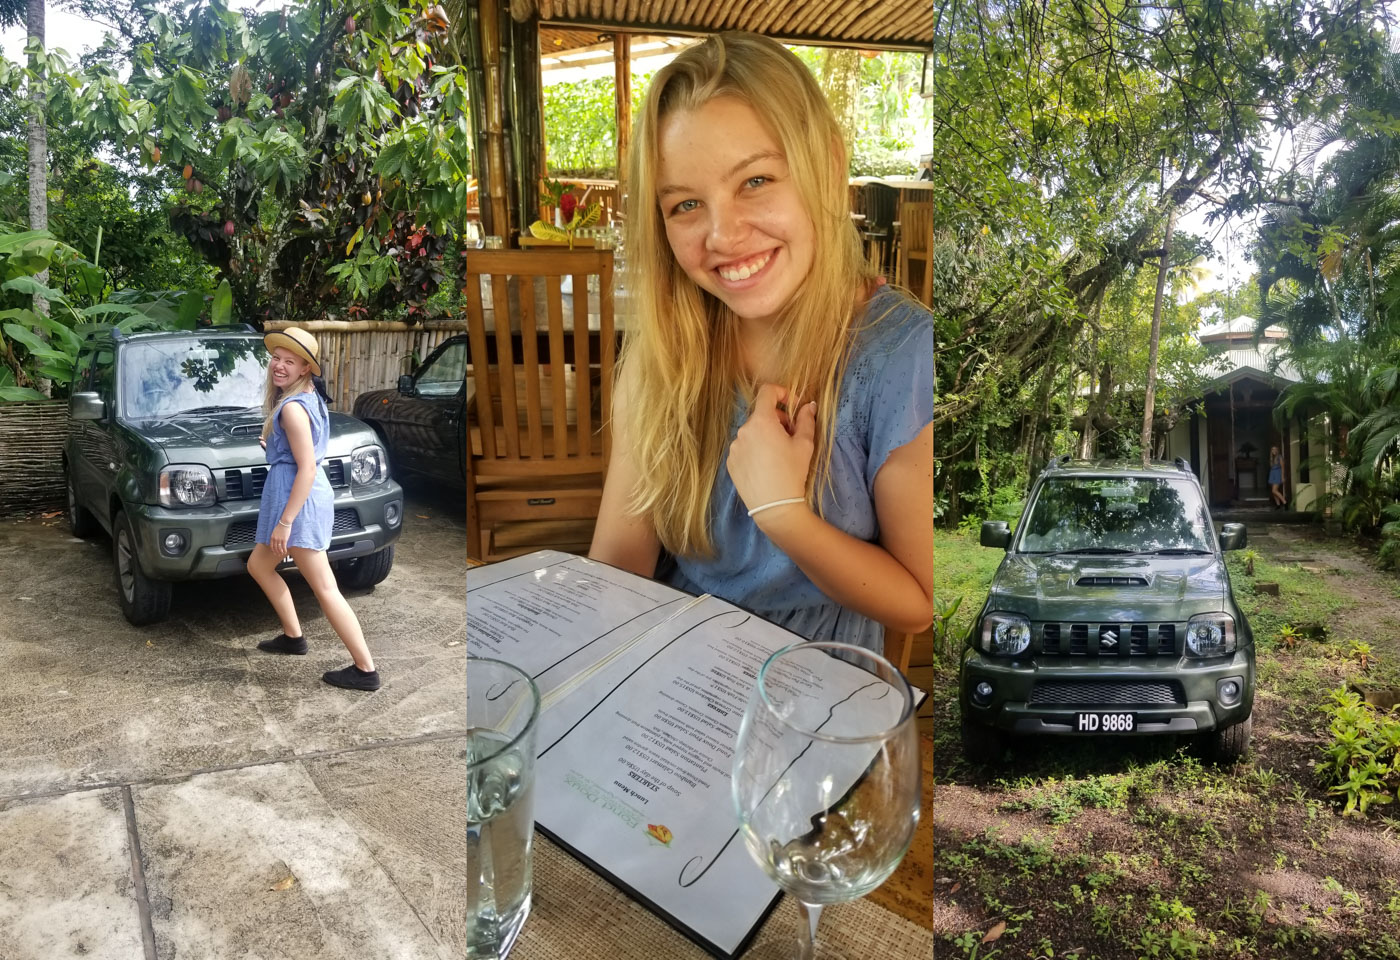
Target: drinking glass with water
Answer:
[[503, 706]]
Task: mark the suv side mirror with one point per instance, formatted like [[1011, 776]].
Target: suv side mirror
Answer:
[[86, 406], [1233, 537], [996, 533], [406, 385]]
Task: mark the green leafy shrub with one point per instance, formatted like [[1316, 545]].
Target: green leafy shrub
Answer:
[[1362, 763]]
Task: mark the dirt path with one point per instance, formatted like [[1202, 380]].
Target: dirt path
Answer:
[[1125, 849]]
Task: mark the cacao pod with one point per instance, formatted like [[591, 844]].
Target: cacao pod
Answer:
[[188, 171]]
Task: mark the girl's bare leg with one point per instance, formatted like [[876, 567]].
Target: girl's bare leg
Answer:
[[317, 570], [263, 566]]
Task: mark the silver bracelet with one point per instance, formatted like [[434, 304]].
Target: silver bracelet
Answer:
[[777, 503], [283, 523]]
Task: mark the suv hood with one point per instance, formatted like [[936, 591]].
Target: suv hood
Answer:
[[230, 439], [1046, 588]]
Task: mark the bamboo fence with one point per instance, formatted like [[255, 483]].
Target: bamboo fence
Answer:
[[362, 355], [31, 456]]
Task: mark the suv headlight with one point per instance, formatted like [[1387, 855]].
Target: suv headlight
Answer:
[[186, 485], [1210, 635], [369, 465], [1005, 634]]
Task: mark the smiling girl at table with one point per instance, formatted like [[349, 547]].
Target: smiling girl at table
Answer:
[[298, 507], [773, 419]]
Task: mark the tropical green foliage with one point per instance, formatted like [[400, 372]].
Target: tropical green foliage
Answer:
[[286, 140], [1064, 134], [37, 345], [1329, 256], [887, 114], [1362, 764], [580, 131]]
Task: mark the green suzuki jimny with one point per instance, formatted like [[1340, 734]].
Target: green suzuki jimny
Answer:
[[162, 452], [1111, 614]]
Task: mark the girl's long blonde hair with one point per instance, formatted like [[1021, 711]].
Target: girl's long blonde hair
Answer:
[[682, 352], [272, 396]]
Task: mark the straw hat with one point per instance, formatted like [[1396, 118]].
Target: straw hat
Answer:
[[298, 341]]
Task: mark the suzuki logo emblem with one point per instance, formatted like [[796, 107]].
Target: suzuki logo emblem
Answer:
[[1108, 639]]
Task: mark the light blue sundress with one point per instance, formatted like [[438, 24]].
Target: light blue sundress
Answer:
[[311, 528], [886, 398]]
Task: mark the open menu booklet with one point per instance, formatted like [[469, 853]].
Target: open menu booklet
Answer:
[[643, 688]]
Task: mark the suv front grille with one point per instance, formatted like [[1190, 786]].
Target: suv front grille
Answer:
[[1105, 639], [244, 533], [1101, 693], [247, 483]]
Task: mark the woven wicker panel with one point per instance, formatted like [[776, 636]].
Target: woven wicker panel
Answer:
[[31, 456]]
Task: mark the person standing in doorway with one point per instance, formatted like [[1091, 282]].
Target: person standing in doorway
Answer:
[[298, 507], [1276, 493]]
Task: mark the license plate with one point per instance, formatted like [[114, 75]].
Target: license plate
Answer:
[[1104, 723]]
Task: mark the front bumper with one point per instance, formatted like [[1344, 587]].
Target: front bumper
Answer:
[[1017, 703], [220, 538]]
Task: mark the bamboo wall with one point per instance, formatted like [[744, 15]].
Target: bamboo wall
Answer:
[[357, 356], [31, 456]]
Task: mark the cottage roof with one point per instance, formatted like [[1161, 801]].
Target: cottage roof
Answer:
[[1240, 353]]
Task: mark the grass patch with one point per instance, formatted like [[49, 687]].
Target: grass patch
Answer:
[[1304, 598], [961, 568]]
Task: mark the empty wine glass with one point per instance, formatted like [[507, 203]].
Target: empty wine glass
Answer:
[[826, 776]]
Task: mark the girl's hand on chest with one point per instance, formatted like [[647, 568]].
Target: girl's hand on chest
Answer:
[[771, 455]]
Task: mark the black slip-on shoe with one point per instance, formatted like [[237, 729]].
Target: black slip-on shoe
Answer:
[[352, 678], [283, 644]]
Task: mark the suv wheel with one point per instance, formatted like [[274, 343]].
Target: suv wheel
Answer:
[[1226, 745], [982, 745], [359, 573], [80, 519], [143, 600]]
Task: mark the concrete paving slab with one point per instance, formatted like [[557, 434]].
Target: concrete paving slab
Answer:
[[89, 699], [414, 820], [66, 888], [257, 864], [242, 764]]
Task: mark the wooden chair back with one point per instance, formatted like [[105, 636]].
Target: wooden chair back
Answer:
[[916, 248], [542, 387]]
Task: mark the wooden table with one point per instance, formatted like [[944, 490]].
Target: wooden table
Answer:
[[558, 921]]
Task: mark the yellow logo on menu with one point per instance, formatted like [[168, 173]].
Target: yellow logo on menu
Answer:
[[660, 833]]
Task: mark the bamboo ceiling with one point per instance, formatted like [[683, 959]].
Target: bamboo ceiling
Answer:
[[871, 24]]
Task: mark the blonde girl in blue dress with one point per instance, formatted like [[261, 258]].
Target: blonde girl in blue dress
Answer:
[[772, 426], [298, 507]]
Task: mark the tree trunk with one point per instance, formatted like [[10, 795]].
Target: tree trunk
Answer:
[[1150, 396], [840, 81], [38, 154]]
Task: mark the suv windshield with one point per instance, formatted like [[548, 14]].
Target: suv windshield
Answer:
[[1117, 515], [164, 378]]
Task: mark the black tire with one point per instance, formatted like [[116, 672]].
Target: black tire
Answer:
[[983, 745], [80, 519], [359, 573], [144, 601], [1227, 745]]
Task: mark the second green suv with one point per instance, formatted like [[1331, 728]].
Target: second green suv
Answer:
[[1111, 615], [162, 452]]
